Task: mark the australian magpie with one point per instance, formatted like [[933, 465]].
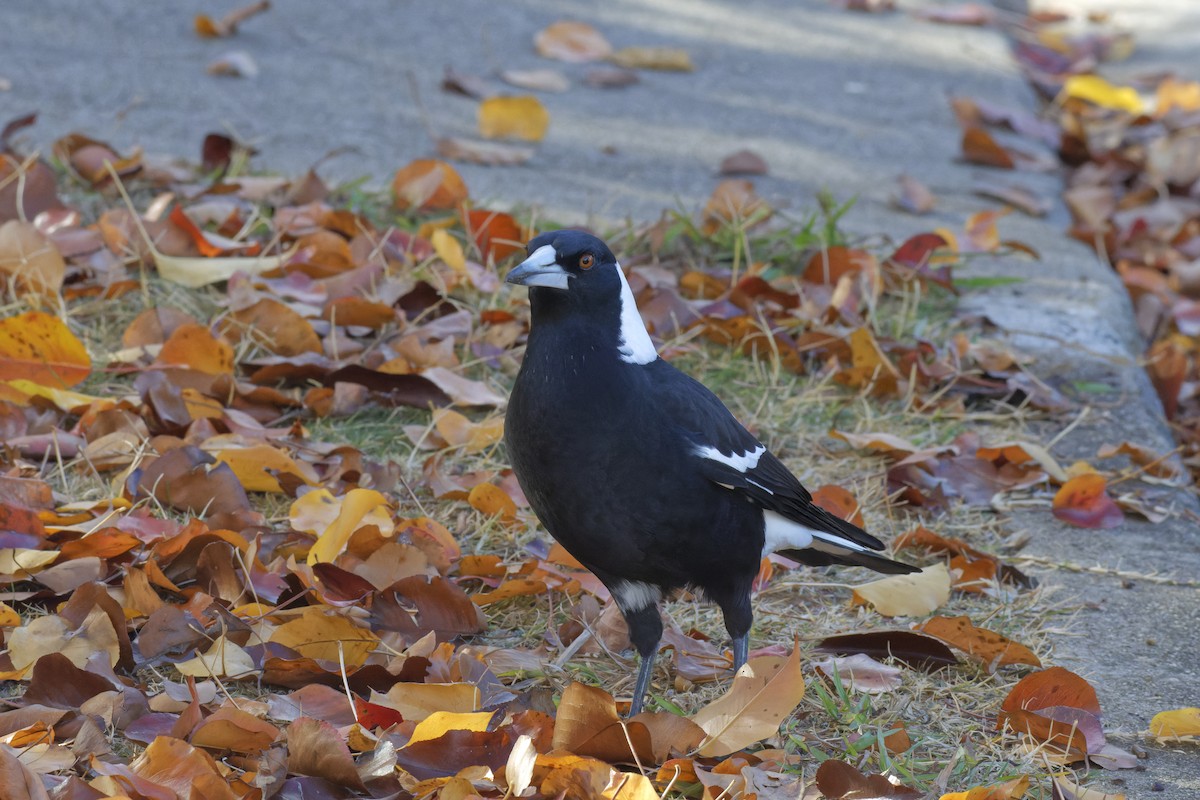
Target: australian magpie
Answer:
[[639, 470]]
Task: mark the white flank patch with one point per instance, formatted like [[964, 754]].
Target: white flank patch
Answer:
[[544, 256], [739, 461], [634, 595], [636, 347]]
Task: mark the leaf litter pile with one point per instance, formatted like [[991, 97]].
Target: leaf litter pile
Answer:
[[260, 538]]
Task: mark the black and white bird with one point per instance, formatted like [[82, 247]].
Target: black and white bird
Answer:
[[640, 472]]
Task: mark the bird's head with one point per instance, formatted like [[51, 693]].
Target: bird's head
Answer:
[[578, 268], [568, 260]]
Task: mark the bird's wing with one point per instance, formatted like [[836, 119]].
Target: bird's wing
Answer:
[[729, 455]]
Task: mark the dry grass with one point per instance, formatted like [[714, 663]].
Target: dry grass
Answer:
[[949, 714]]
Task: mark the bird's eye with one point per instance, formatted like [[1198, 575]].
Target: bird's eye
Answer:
[[586, 261]]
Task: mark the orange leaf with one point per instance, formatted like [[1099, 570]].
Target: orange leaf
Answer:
[[496, 234], [41, 348], [839, 502], [1083, 501], [987, 647], [492, 500], [428, 185], [194, 346]]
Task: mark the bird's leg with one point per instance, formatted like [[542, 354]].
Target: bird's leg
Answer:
[[741, 650], [738, 616], [645, 629]]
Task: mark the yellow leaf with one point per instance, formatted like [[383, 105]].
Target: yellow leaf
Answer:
[[326, 636], [912, 595], [1097, 91], [254, 466], [1067, 788], [9, 618], [416, 701], [1176, 724], [764, 693], [671, 59], [439, 722], [196, 271], [22, 562], [41, 348], [224, 659], [1009, 790], [358, 508], [63, 399], [522, 117], [50, 634], [448, 250]]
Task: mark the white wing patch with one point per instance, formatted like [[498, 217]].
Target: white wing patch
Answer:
[[636, 346], [785, 534], [633, 596], [742, 462]]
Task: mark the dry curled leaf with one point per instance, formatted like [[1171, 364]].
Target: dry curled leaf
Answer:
[[764, 692], [575, 42]]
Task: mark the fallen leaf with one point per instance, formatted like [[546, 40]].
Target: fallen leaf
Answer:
[[1097, 91], [575, 42], [1182, 723], [1064, 788], [671, 59], [743, 162], [987, 647], [1009, 790], [208, 28], [536, 80], [428, 185], [838, 780], [522, 117], [40, 347], [979, 147], [223, 659], [488, 154], [233, 64], [861, 673], [29, 260], [1084, 502], [764, 693], [913, 649], [913, 196], [907, 595]]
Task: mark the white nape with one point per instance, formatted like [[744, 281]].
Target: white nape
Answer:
[[636, 346], [633, 596], [739, 461]]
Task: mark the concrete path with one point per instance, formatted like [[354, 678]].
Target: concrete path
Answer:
[[831, 99]]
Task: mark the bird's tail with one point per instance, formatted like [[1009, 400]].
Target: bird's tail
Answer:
[[838, 541]]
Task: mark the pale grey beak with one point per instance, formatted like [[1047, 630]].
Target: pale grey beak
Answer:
[[540, 269]]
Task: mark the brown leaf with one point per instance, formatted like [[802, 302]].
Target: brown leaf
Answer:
[[839, 502], [574, 42], [274, 326], [185, 770], [610, 77], [1019, 197], [29, 260], [985, 646], [838, 780], [194, 346], [959, 14], [979, 147], [155, 326], [733, 201], [315, 748], [587, 724], [917, 651], [17, 781], [764, 692], [743, 162]]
